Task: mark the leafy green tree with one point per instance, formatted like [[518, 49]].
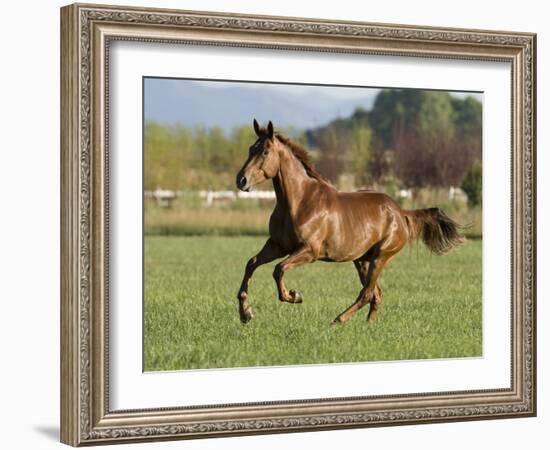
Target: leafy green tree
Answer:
[[468, 116], [434, 137], [473, 184], [241, 140], [332, 152], [391, 111], [342, 147], [218, 146], [163, 161], [360, 143], [402, 111], [201, 148], [178, 157], [436, 115]]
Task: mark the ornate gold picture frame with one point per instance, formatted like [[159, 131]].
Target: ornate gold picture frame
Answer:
[[87, 32]]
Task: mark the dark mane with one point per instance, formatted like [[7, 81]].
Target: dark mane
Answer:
[[302, 155]]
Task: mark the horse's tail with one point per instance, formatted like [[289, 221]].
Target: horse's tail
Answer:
[[438, 231]]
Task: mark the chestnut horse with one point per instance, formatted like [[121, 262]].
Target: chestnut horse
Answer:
[[313, 221]]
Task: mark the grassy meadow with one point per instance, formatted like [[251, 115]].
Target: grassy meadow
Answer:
[[432, 307]]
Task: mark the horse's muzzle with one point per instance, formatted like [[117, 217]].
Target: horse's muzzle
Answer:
[[242, 182]]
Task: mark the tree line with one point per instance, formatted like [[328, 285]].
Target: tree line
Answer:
[[410, 138], [180, 158]]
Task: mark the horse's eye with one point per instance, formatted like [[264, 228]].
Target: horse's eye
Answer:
[[265, 152]]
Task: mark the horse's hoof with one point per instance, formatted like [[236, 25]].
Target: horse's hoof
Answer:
[[246, 315], [336, 321], [296, 296]]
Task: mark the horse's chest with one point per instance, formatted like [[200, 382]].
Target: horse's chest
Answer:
[[282, 231]]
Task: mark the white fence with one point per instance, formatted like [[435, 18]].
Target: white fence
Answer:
[[455, 193], [212, 196], [165, 197]]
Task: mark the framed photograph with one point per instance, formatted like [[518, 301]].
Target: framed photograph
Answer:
[[277, 224]]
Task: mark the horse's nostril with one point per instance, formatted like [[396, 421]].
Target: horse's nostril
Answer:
[[242, 181]]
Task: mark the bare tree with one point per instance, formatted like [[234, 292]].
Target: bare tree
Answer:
[[437, 160]]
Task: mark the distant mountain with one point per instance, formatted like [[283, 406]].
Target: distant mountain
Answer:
[[228, 105]]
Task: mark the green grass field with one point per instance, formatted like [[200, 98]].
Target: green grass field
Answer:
[[432, 308]]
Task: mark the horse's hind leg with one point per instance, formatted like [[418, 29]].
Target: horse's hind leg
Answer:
[[361, 301], [364, 268], [369, 271], [268, 253], [375, 302]]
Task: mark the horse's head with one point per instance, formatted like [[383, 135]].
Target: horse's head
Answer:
[[263, 159]]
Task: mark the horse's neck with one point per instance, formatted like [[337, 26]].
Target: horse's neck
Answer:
[[290, 182]]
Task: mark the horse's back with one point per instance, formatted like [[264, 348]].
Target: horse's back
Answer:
[[368, 199]]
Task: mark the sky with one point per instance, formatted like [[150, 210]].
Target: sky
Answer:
[[231, 104]]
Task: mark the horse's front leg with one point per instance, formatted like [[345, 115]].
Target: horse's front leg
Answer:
[[303, 256], [268, 253]]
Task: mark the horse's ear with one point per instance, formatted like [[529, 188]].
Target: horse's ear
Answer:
[[270, 130], [256, 128]]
